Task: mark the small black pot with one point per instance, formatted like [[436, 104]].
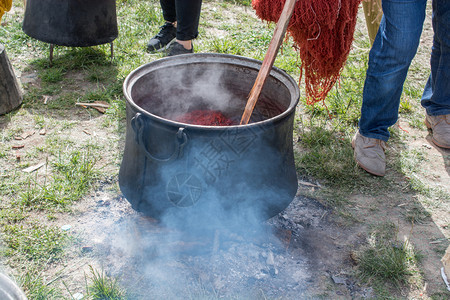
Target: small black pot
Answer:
[[214, 172], [72, 23]]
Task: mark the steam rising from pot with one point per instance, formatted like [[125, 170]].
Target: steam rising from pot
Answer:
[[179, 90]]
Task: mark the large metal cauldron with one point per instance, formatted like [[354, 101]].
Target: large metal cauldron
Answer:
[[72, 23], [213, 172], [9, 289]]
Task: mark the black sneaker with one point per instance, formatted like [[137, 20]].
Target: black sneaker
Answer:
[[159, 42], [177, 49]]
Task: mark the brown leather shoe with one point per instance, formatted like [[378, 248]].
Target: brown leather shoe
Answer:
[[369, 154], [440, 125]]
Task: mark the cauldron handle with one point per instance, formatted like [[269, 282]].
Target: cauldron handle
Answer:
[[138, 124]]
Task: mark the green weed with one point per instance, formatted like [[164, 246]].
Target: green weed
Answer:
[[38, 243], [387, 262], [8, 135], [36, 286], [10, 183], [385, 259], [52, 75], [409, 163], [103, 287], [73, 176], [417, 121], [240, 2], [39, 121], [405, 106], [444, 295], [64, 101], [116, 113], [226, 45], [327, 156], [417, 214], [12, 215]]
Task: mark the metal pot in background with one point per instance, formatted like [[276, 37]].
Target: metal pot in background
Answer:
[[9, 290], [208, 172], [73, 23]]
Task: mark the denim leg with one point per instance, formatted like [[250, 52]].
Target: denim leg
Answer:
[[436, 95], [389, 59]]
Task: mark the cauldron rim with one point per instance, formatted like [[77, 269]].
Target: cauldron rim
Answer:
[[184, 59]]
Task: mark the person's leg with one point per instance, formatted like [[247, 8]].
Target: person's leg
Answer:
[[394, 48], [390, 57], [188, 17], [167, 32], [169, 10], [436, 95]]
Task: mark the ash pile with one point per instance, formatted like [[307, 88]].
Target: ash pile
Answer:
[[246, 261]]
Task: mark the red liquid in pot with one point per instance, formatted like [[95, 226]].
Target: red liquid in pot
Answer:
[[205, 118]]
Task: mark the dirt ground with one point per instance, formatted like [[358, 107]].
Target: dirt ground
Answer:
[[305, 251]]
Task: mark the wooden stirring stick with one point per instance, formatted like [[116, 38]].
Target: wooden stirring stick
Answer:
[[269, 59]]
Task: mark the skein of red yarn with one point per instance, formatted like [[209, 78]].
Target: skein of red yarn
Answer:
[[322, 31], [205, 118]]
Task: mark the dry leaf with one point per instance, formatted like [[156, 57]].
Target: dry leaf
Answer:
[[33, 168], [27, 134]]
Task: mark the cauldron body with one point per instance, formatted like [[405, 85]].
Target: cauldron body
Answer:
[[9, 290], [73, 23], [213, 172]]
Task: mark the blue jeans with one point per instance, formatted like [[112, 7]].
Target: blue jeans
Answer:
[[390, 57]]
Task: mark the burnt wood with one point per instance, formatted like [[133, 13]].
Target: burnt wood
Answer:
[[10, 94]]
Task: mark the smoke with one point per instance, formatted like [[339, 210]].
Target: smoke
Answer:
[[178, 90], [157, 261], [211, 237]]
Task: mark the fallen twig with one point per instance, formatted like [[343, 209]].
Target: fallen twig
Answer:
[[444, 277], [94, 104], [308, 183], [33, 168], [100, 106]]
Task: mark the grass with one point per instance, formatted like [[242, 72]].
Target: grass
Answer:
[[36, 286], [327, 156], [417, 214], [385, 260], [74, 164], [73, 175], [36, 243], [103, 287]]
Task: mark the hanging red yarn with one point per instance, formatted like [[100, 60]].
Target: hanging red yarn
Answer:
[[205, 118], [322, 31]]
